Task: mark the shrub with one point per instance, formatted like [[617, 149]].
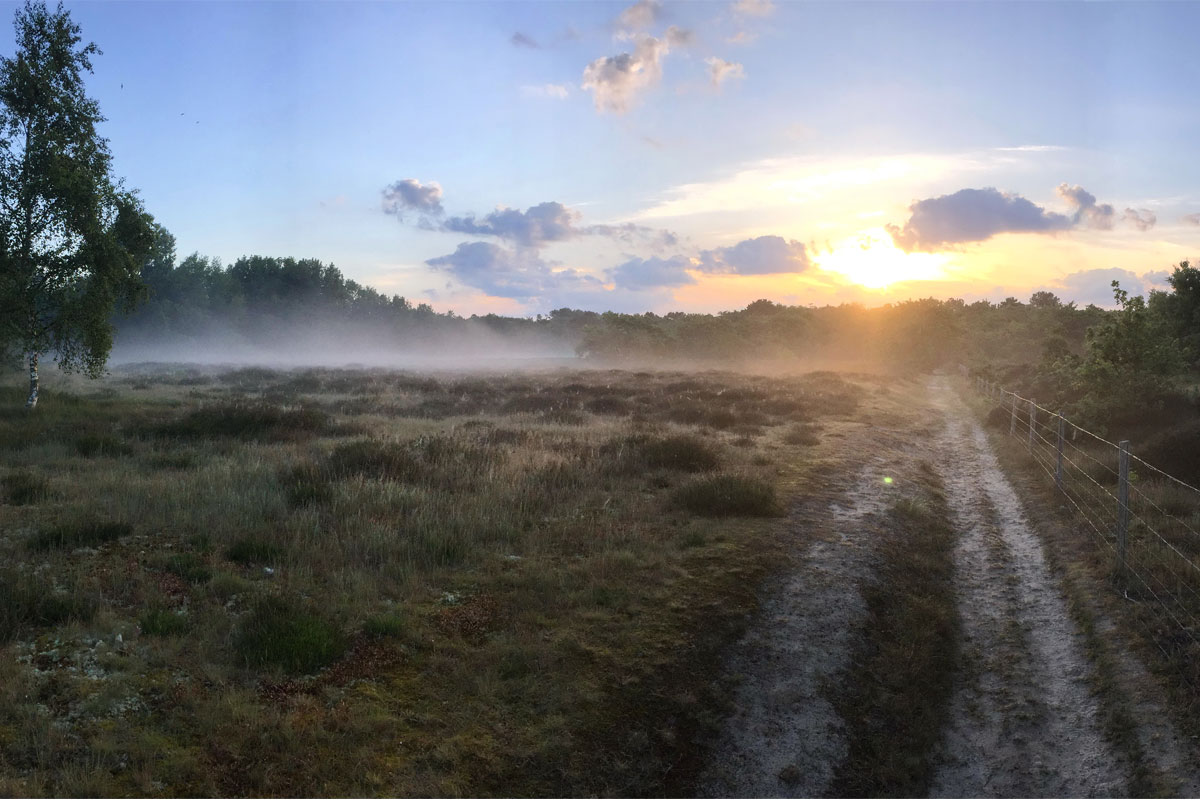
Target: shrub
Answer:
[[728, 496], [609, 404], [252, 550], [249, 421], [684, 453], [91, 445], [225, 586], [374, 459], [28, 603], [387, 626], [1175, 451], [802, 434], [159, 621], [190, 567], [279, 633], [307, 483], [79, 534], [23, 488]]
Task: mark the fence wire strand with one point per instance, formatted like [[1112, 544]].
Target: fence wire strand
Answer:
[[1149, 555]]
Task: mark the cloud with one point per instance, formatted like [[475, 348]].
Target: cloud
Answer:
[[545, 222], [519, 274], [615, 81], [1190, 219], [1100, 217], [521, 40], [754, 8], [640, 15], [972, 215], [1142, 218], [742, 37], [678, 37], [556, 91], [764, 255], [410, 195], [720, 70], [652, 273], [551, 222]]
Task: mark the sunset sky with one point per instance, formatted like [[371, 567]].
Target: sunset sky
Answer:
[[520, 157]]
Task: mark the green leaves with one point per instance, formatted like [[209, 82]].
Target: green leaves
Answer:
[[72, 240]]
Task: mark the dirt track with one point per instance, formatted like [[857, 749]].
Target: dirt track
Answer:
[[1024, 719]]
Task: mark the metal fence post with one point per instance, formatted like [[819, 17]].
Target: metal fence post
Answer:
[[1058, 480], [1032, 416], [1122, 504], [1012, 423]]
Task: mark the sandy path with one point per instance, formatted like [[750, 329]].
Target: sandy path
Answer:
[[1023, 720], [784, 738]]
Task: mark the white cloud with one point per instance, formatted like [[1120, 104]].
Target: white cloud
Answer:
[[556, 91], [720, 70], [640, 15], [742, 37], [754, 8], [615, 81]]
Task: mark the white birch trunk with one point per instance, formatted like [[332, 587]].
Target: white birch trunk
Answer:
[[33, 381]]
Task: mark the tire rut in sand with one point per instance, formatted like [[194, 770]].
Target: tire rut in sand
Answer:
[[784, 738], [1023, 719]]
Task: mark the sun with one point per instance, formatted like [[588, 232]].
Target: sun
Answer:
[[870, 259]]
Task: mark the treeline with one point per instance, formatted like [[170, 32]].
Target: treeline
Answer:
[[1104, 366], [199, 309]]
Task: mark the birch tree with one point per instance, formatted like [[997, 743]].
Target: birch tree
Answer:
[[72, 239]]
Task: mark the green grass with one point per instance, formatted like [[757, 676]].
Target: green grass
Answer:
[[90, 533], [255, 551], [728, 496], [896, 696], [468, 600], [23, 488], [159, 621], [279, 633], [27, 603]]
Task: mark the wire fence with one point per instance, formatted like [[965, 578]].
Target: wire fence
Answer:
[[1145, 522]]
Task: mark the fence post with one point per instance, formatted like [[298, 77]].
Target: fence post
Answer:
[[1012, 423], [1032, 416], [1058, 481], [1122, 504]]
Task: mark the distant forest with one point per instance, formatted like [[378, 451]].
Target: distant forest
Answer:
[[1093, 360]]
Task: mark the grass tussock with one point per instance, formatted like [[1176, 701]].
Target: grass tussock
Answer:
[[27, 603], [898, 691], [492, 593], [248, 421], [728, 496], [280, 633], [89, 533], [23, 488]]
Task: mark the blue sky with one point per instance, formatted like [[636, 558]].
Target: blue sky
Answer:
[[804, 129]]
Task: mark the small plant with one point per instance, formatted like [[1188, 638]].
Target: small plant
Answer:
[[28, 603], [279, 633], [23, 488], [92, 445], [190, 567], [253, 422], [728, 496], [387, 626], [802, 434], [225, 586], [79, 534], [159, 621], [684, 453], [307, 483], [375, 459], [252, 550]]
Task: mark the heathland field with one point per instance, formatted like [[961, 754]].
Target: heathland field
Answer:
[[369, 582]]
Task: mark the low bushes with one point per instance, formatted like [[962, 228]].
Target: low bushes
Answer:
[[277, 632], [728, 496], [79, 534]]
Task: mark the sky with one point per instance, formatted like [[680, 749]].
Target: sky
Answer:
[[518, 157]]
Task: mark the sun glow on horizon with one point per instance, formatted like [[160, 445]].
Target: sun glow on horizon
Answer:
[[870, 259]]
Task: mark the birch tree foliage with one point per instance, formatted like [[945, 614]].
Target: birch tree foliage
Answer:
[[72, 238]]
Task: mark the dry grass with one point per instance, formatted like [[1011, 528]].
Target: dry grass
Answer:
[[369, 582]]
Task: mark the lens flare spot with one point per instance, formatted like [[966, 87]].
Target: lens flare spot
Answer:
[[888, 479]]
